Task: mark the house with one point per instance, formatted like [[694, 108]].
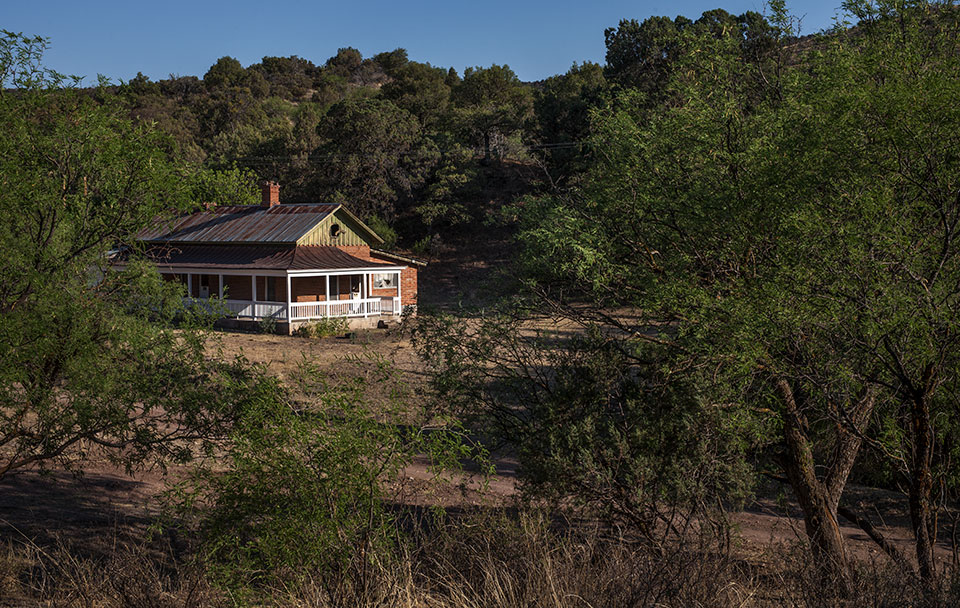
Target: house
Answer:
[[294, 263]]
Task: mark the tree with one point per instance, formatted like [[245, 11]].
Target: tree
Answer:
[[226, 72], [791, 242], [902, 119], [561, 122], [345, 62], [592, 428], [641, 55], [88, 359], [491, 101], [392, 62], [373, 154], [420, 89]]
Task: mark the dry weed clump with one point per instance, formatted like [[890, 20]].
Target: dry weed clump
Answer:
[[524, 562], [477, 561], [134, 576], [877, 583]]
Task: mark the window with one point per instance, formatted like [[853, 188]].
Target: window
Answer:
[[385, 280], [271, 289]]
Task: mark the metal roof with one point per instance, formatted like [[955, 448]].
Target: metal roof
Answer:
[[255, 257], [398, 257], [241, 224]]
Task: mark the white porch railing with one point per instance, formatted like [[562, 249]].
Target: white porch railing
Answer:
[[390, 306], [361, 307], [304, 311], [243, 308]]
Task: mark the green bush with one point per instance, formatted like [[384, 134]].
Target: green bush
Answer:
[[268, 325], [299, 494], [383, 229], [324, 328], [422, 247]]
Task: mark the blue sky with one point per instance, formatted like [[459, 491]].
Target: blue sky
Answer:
[[536, 38]]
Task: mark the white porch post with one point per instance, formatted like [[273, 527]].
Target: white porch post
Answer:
[[289, 309], [253, 295], [399, 306], [189, 284], [364, 292], [220, 285], [327, 309]]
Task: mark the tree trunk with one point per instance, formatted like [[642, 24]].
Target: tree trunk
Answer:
[[921, 486], [819, 507]]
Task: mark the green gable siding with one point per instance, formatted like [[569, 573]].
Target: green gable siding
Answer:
[[351, 232]]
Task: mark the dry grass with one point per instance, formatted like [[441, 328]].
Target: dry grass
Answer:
[[478, 561], [134, 576]]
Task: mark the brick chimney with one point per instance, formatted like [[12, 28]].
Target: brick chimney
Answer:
[[271, 194]]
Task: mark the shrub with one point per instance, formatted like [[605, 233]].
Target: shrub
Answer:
[[324, 328], [303, 494], [268, 325], [422, 247], [383, 229]]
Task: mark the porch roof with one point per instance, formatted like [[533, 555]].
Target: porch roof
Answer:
[[254, 257]]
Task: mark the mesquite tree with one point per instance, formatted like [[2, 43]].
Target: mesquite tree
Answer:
[[89, 359], [785, 225]]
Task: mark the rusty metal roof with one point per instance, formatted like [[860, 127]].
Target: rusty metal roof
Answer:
[[240, 224], [254, 257]]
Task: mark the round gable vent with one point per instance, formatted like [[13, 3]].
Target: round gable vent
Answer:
[[334, 231]]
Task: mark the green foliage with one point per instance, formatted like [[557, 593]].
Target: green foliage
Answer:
[[392, 62], [302, 496], [562, 123], [490, 102], [226, 72], [423, 246], [324, 328], [373, 154], [592, 428], [234, 186], [640, 55], [792, 228], [644, 56], [443, 204], [420, 89], [384, 231], [268, 325], [88, 358]]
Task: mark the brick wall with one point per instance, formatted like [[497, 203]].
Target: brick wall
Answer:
[[237, 287], [310, 289], [357, 251], [280, 285], [408, 286], [408, 279]]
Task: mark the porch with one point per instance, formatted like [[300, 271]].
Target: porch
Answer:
[[293, 298], [310, 311]]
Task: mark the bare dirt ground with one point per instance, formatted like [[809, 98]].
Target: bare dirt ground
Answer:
[[105, 505]]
